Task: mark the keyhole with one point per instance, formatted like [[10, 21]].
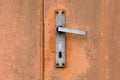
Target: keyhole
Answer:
[[60, 54]]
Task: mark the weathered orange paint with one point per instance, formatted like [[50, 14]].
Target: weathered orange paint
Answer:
[[20, 39], [41, 40], [94, 57]]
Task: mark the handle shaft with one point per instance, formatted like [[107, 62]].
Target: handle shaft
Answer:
[[73, 31]]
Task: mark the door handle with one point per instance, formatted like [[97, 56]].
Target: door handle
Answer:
[[73, 31], [60, 37]]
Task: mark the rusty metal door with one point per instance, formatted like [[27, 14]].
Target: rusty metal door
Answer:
[[91, 57], [20, 39]]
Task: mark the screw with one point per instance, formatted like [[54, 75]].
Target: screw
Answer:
[[56, 12], [57, 64], [62, 12]]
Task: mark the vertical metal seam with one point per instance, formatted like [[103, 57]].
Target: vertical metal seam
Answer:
[[42, 40], [43, 34]]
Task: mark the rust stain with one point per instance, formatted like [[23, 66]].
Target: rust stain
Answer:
[[19, 40], [73, 56], [88, 58]]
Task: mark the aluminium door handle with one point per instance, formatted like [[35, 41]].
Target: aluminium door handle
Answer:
[[60, 37], [73, 31]]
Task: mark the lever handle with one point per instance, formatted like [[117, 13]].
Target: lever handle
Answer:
[[73, 31], [60, 37]]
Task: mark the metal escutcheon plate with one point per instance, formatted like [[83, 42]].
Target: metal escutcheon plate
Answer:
[[60, 39]]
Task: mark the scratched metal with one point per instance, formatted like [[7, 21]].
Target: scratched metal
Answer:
[[60, 39]]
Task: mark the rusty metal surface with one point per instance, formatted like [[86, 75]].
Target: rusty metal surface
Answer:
[[95, 57], [41, 39], [19, 39]]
